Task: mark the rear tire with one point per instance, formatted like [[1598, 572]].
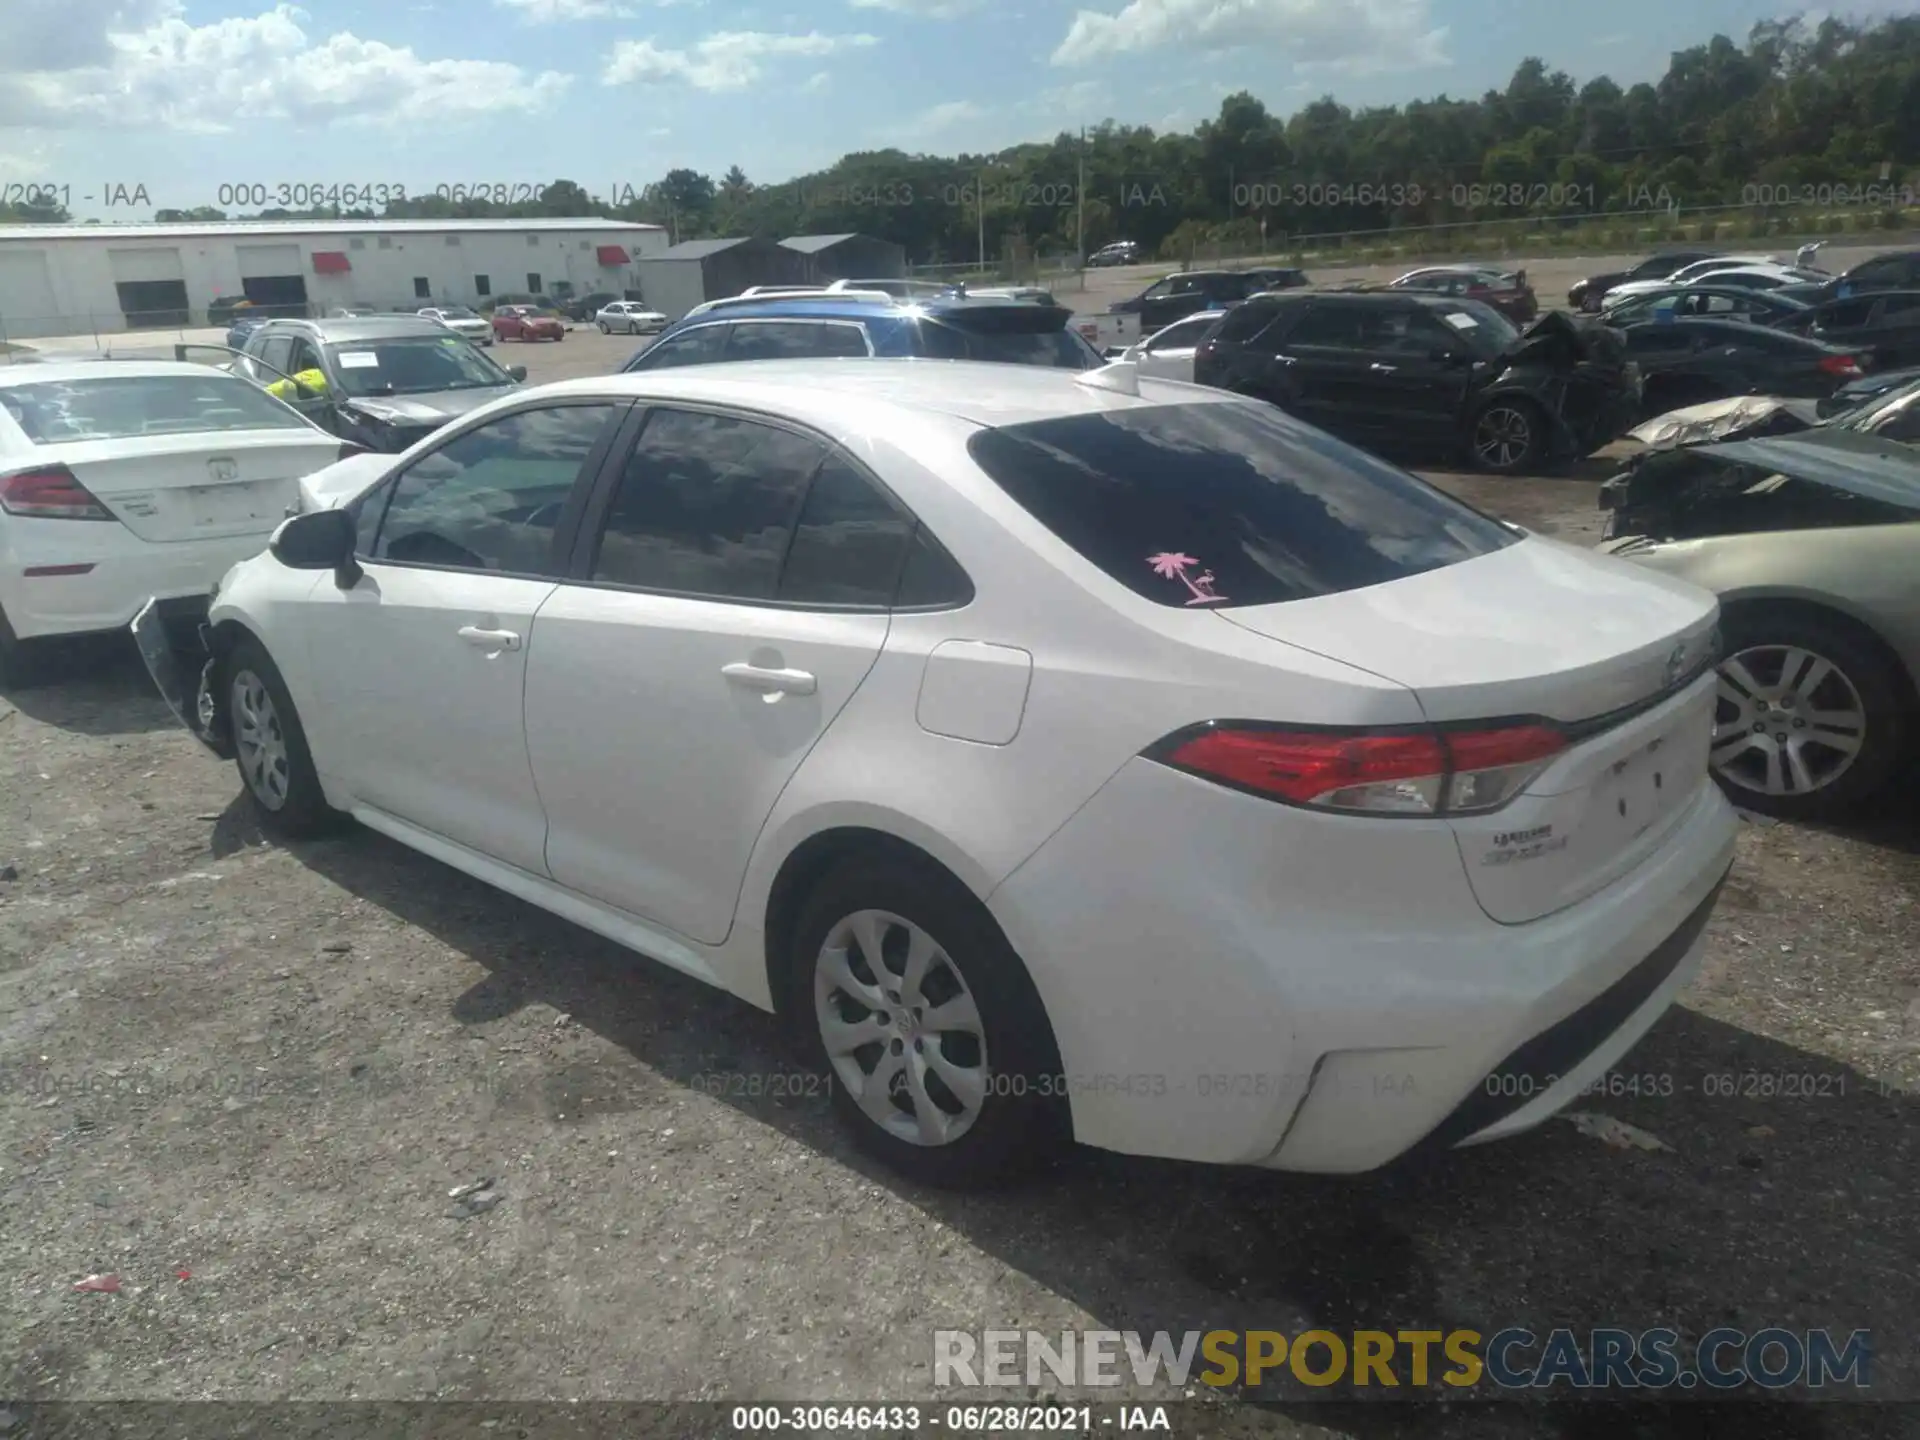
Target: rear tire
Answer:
[[270, 747], [958, 1083], [1783, 667]]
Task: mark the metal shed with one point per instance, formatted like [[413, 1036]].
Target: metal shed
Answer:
[[849, 257], [695, 271]]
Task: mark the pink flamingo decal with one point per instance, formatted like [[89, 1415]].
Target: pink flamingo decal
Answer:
[[1174, 566]]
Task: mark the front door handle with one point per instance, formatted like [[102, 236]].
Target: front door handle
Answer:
[[769, 681], [1380, 369], [490, 639]]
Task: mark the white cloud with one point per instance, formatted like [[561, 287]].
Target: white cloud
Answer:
[[816, 82], [730, 60], [1353, 36], [939, 120], [38, 35], [549, 12], [925, 9], [171, 75]]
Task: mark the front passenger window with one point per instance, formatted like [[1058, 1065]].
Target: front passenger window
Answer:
[[490, 499]]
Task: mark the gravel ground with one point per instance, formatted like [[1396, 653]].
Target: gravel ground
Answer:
[[265, 1066]]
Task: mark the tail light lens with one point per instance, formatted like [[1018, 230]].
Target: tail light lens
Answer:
[[1369, 772], [1840, 365], [49, 492]]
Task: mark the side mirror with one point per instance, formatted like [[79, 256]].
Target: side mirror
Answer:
[[320, 540], [518, 372]]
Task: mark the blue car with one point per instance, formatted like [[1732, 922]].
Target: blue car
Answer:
[[242, 326], [857, 324]]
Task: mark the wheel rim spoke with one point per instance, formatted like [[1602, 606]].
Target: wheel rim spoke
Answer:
[[1790, 721], [907, 1044]]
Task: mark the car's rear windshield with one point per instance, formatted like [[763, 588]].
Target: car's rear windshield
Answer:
[[1014, 334], [1224, 504], [59, 412]]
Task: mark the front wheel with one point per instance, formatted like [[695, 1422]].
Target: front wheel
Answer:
[[270, 746], [603, 327], [938, 1050], [1812, 719], [1508, 437]]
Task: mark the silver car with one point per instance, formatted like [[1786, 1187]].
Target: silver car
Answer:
[[1168, 354], [629, 317], [1812, 542]]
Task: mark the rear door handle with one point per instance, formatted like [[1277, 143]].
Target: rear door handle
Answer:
[[759, 677], [490, 639], [1380, 369]]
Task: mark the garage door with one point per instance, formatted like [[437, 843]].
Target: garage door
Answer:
[[151, 286], [26, 295], [271, 276]]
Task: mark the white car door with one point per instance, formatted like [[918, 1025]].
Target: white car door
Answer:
[[1169, 354], [422, 663], [677, 684]]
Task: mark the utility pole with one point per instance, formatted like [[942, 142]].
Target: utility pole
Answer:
[[1080, 219], [980, 212]]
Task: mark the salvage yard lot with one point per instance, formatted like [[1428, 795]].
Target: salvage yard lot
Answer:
[[266, 1065]]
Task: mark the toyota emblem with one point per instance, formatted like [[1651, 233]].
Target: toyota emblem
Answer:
[[1676, 663], [223, 470]]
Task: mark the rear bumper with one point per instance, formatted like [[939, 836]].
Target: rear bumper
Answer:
[[125, 572], [1232, 981], [183, 673]]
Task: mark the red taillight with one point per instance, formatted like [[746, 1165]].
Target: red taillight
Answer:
[[1417, 772], [50, 492], [1840, 365]]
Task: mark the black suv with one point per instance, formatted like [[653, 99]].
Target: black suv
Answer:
[[1428, 373], [390, 380]]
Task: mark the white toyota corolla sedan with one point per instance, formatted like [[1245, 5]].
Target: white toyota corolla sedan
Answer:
[[1069, 756]]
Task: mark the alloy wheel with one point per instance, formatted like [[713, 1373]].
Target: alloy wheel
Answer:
[[259, 741], [1503, 436], [1789, 721], [901, 1028]]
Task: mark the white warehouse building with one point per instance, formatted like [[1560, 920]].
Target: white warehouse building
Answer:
[[72, 279]]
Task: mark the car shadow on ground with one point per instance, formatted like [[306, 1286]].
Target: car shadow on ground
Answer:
[[94, 685], [1764, 1212]]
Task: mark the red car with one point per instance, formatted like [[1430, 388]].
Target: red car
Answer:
[[523, 322], [1506, 291]]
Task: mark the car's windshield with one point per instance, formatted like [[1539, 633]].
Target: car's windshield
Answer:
[[1484, 329], [458, 312], [59, 412], [413, 365]]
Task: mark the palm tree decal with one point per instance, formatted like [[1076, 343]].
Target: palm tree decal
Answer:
[[1173, 565]]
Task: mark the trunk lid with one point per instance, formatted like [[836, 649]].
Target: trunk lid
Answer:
[[1618, 655], [200, 486]]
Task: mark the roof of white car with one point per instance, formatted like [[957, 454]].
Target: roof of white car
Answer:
[[101, 368], [977, 391]]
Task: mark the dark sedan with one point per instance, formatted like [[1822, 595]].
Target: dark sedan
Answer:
[[1711, 302], [1505, 290], [1398, 370], [1883, 326], [1686, 362], [1586, 294]]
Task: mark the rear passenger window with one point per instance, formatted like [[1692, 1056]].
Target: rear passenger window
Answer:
[[933, 579], [850, 544], [793, 340], [1341, 326], [705, 506]]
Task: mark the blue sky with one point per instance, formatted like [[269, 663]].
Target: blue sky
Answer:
[[183, 96]]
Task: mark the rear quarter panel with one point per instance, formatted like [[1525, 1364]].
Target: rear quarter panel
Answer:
[[1869, 573]]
